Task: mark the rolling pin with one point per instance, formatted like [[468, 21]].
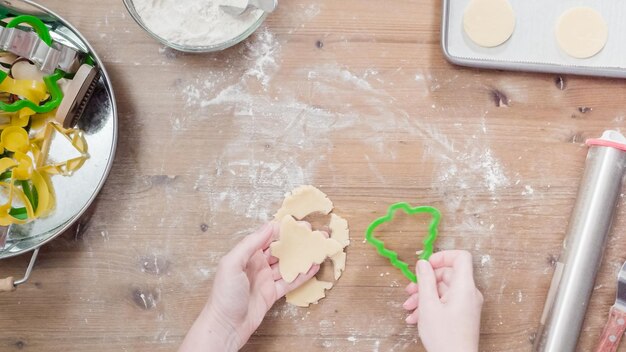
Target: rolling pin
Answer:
[[589, 226]]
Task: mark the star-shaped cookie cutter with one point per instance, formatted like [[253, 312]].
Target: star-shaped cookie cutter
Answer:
[[392, 255]]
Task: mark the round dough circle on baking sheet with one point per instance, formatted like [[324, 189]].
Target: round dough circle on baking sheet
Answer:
[[489, 23], [581, 32]]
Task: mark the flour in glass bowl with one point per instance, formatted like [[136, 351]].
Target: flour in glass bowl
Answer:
[[198, 23]]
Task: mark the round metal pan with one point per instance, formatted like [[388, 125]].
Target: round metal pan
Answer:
[[73, 194]]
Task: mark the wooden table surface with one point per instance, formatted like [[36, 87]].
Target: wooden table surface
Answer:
[[354, 97]]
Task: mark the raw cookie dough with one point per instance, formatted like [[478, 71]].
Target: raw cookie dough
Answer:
[[339, 264], [489, 23], [299, 248], [310, 292], [339, 232], [303, 201], [339, 229], [581, 32]]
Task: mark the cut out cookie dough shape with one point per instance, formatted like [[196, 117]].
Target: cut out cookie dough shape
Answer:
[[489, 23], [581, 32], [310, 292], [299, 248], [299, 203]]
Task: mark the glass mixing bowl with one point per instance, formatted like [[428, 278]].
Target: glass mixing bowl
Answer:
[[188, 48]]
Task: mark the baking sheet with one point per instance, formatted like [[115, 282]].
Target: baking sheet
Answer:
[[533, 45]]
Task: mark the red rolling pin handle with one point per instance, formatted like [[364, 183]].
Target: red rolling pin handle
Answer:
[[613, 331]]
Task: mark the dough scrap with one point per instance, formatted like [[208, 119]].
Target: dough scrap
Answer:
[[489, 23], [581, 32], [339, 230], [299, 248], [339, 264], [303, 201], [310, 292]]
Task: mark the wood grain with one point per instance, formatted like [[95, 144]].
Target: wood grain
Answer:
[[352, 96]]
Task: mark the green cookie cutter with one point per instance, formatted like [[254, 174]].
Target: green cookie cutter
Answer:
[[392, 255], [40, 28], [56, 96]]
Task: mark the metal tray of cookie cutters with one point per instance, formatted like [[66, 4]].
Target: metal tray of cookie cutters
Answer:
[[73, 194], [533, 45]]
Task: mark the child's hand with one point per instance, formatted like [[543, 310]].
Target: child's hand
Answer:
[[246, 285], [446, 304]]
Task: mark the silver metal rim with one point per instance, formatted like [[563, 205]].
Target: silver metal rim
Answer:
[[105, 175]]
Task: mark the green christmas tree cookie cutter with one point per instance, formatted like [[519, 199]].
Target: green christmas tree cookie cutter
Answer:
[[40, 28], [51, 81], [56, 96], [392, 255]]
